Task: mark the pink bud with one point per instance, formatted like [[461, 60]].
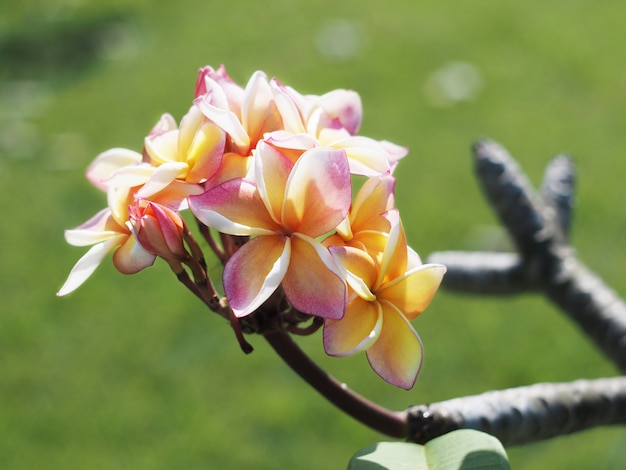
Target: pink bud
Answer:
[[158, 229]]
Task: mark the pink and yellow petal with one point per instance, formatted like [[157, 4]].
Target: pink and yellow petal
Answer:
[[397, 354], [130, 176], [313, 283], [163, 147], [356, 331], [288, 108], [319, 192], [223, 90], [375, 197], [131, 257], [395, 256], [337, 109], [118, 200], [272, 170], [204, 155], [175, 194], [259, 113], [162, 176], [189, 126], [371, 241], [108, 162], [412, 292], [234, 207], [360, 267], [365, 155], [227, 121], [288, 140], [232, 166], [255, 271]]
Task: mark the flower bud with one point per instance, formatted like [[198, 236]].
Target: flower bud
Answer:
[[158, 229]]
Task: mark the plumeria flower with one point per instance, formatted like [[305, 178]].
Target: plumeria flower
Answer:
[[171, 170], [310, 114], [285, 209], [194, 149], [330, 120], [334, 120], [106, 235], [365, 156], [246, 116], [230, 92], [127, 180], [385, 296]]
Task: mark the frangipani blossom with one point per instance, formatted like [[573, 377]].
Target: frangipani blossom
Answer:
[[245, 118], [333, 120], [198, 145], [121, 171], [267, 107], [106, 235], [337, 109], [128, 181], [386, 296], [274, 166], [285, 209], [366, 156]]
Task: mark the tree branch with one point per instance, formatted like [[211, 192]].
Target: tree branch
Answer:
[[515, 416], [539, 226], [525, 414], [388, 422]]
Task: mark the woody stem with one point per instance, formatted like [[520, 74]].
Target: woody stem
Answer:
[[391, 423]]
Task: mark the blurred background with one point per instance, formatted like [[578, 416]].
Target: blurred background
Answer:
[[133, 372]]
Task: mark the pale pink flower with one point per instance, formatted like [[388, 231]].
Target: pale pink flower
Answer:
[[285, 209], [244, 117], [106, 235]]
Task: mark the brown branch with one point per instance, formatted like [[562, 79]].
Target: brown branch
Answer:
[[388, 422], [515, 416]]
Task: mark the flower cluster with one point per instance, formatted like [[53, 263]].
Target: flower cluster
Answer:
[[275, 167]]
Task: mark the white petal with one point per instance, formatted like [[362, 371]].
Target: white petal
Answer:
[[162, 176], [88, 264], [108, 162]]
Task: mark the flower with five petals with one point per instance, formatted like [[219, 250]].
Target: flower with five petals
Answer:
[[385, 296], [286, 208]]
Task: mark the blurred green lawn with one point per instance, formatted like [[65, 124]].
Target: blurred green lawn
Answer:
[[132, 372]]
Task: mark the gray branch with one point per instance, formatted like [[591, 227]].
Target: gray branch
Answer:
[[558, 190], [525, 414], [538, 225], [482, 273]]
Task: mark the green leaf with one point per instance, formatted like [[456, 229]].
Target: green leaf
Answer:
[[465, 449]]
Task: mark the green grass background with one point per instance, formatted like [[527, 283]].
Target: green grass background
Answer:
[[132, 372]]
